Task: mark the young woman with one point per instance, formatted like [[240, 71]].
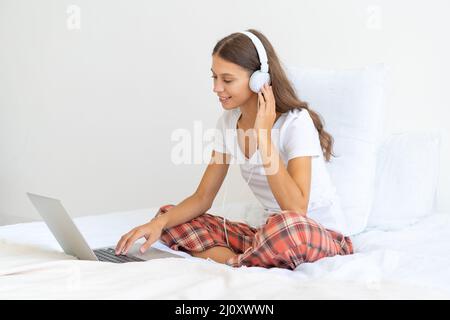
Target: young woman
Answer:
[[286, 172]]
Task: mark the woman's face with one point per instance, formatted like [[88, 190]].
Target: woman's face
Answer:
[[231, 82]]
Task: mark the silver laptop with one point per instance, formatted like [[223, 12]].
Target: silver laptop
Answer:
[[73, 243]]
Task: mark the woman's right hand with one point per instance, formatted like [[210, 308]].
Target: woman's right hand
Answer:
[[151, 231]]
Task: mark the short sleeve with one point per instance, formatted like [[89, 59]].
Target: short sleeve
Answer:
[[219, 136], [300, 136]]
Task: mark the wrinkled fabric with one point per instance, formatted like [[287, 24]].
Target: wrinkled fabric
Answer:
[[286, 240]]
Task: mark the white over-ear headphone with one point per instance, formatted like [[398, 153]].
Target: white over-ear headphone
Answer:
[[261, 76]]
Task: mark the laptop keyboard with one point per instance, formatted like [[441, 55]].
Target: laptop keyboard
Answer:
[[109, 255]]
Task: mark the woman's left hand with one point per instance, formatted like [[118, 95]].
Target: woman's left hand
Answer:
[[266, 115]]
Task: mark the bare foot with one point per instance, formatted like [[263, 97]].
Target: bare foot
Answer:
[[218, 254]]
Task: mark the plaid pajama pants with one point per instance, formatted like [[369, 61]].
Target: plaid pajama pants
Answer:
[[286, 240]]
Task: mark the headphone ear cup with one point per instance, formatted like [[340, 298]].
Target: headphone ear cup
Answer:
[[258, 79]]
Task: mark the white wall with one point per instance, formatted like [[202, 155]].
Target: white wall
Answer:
[[86, 115]]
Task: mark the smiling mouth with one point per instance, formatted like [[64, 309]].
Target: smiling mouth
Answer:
[[224, 99]]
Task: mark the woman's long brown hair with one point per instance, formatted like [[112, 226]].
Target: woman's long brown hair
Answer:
[[239, 49]]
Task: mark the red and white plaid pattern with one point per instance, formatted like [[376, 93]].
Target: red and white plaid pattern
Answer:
[[286, 240]]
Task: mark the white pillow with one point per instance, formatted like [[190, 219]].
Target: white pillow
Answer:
[[406, 179], [351, 103]]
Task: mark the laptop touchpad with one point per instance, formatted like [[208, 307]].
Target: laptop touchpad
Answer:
[[150, 253]]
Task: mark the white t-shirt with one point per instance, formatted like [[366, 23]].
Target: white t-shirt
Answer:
[[294, 135]]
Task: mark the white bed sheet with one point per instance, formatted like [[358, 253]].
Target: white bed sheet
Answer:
[[411, 263]]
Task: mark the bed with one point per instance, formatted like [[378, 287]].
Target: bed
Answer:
[[406, 263]]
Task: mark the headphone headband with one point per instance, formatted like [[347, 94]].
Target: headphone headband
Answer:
[[260, 49]]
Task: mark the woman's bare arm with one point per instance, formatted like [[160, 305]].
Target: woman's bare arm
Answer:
[[203, 198], [186, 210]]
